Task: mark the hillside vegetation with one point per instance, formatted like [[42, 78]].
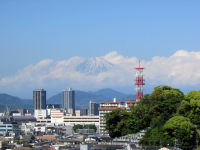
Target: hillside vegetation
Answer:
[[167, 115]]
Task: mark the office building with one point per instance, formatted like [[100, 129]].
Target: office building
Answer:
[[39, 103], [68, 101], [39, 99], [93, 109], [81, 112], [59, 117], [106, 107]]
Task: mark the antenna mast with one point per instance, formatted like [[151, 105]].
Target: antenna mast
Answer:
[[139, 82]]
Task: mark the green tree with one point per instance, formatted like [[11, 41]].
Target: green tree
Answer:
[[180, 128], [139, 118], [164, 101], [90, 126], [153, 134], [193, 95], [77, 126], [116, 122], [190, 107], [87, 126], [160, 106]]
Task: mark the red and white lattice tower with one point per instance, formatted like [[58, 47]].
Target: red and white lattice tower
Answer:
[[139, 82]]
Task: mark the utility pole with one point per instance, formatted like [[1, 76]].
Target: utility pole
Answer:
[[175, 143], [160, 143]]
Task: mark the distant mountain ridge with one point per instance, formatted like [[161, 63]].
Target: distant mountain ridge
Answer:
[[13, 102], [110, 93], [82, 99]]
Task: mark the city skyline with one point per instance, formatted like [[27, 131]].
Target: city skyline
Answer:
[[47, 44]]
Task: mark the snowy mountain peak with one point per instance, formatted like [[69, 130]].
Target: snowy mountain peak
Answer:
[[94, 66]]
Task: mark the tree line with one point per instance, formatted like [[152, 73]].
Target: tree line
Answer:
[[86, 126], [166, 114]]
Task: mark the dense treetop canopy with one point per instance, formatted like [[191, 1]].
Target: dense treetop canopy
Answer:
[[166, 114]]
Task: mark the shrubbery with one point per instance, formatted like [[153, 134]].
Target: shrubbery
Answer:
[[87, 126]]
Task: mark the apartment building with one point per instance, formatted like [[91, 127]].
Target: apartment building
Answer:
[[106, 107]]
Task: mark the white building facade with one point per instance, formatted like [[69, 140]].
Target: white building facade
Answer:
[[106, 107]]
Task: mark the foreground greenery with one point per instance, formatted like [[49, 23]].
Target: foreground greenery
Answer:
[[86, 126], [167, 114]]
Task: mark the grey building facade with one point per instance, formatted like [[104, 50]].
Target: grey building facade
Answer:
[[93, 109], [39, 99], [68, 101]]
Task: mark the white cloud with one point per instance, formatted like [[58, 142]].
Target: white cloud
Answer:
[[32, 74], [113, 57], [180, 69]]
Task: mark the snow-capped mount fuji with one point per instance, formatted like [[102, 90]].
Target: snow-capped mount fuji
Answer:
[[94, 66]]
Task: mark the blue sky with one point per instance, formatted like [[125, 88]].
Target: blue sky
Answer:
[[31, 31]]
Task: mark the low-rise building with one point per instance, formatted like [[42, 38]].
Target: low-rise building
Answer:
[[9, 129], [47, 120], [57, 116], [40, 113], [81, 112], [28, 128], [71, 120]]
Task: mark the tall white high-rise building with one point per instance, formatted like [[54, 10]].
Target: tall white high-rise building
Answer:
[[68, 101]]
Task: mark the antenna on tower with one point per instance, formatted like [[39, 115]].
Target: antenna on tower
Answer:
[[139, 82]]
